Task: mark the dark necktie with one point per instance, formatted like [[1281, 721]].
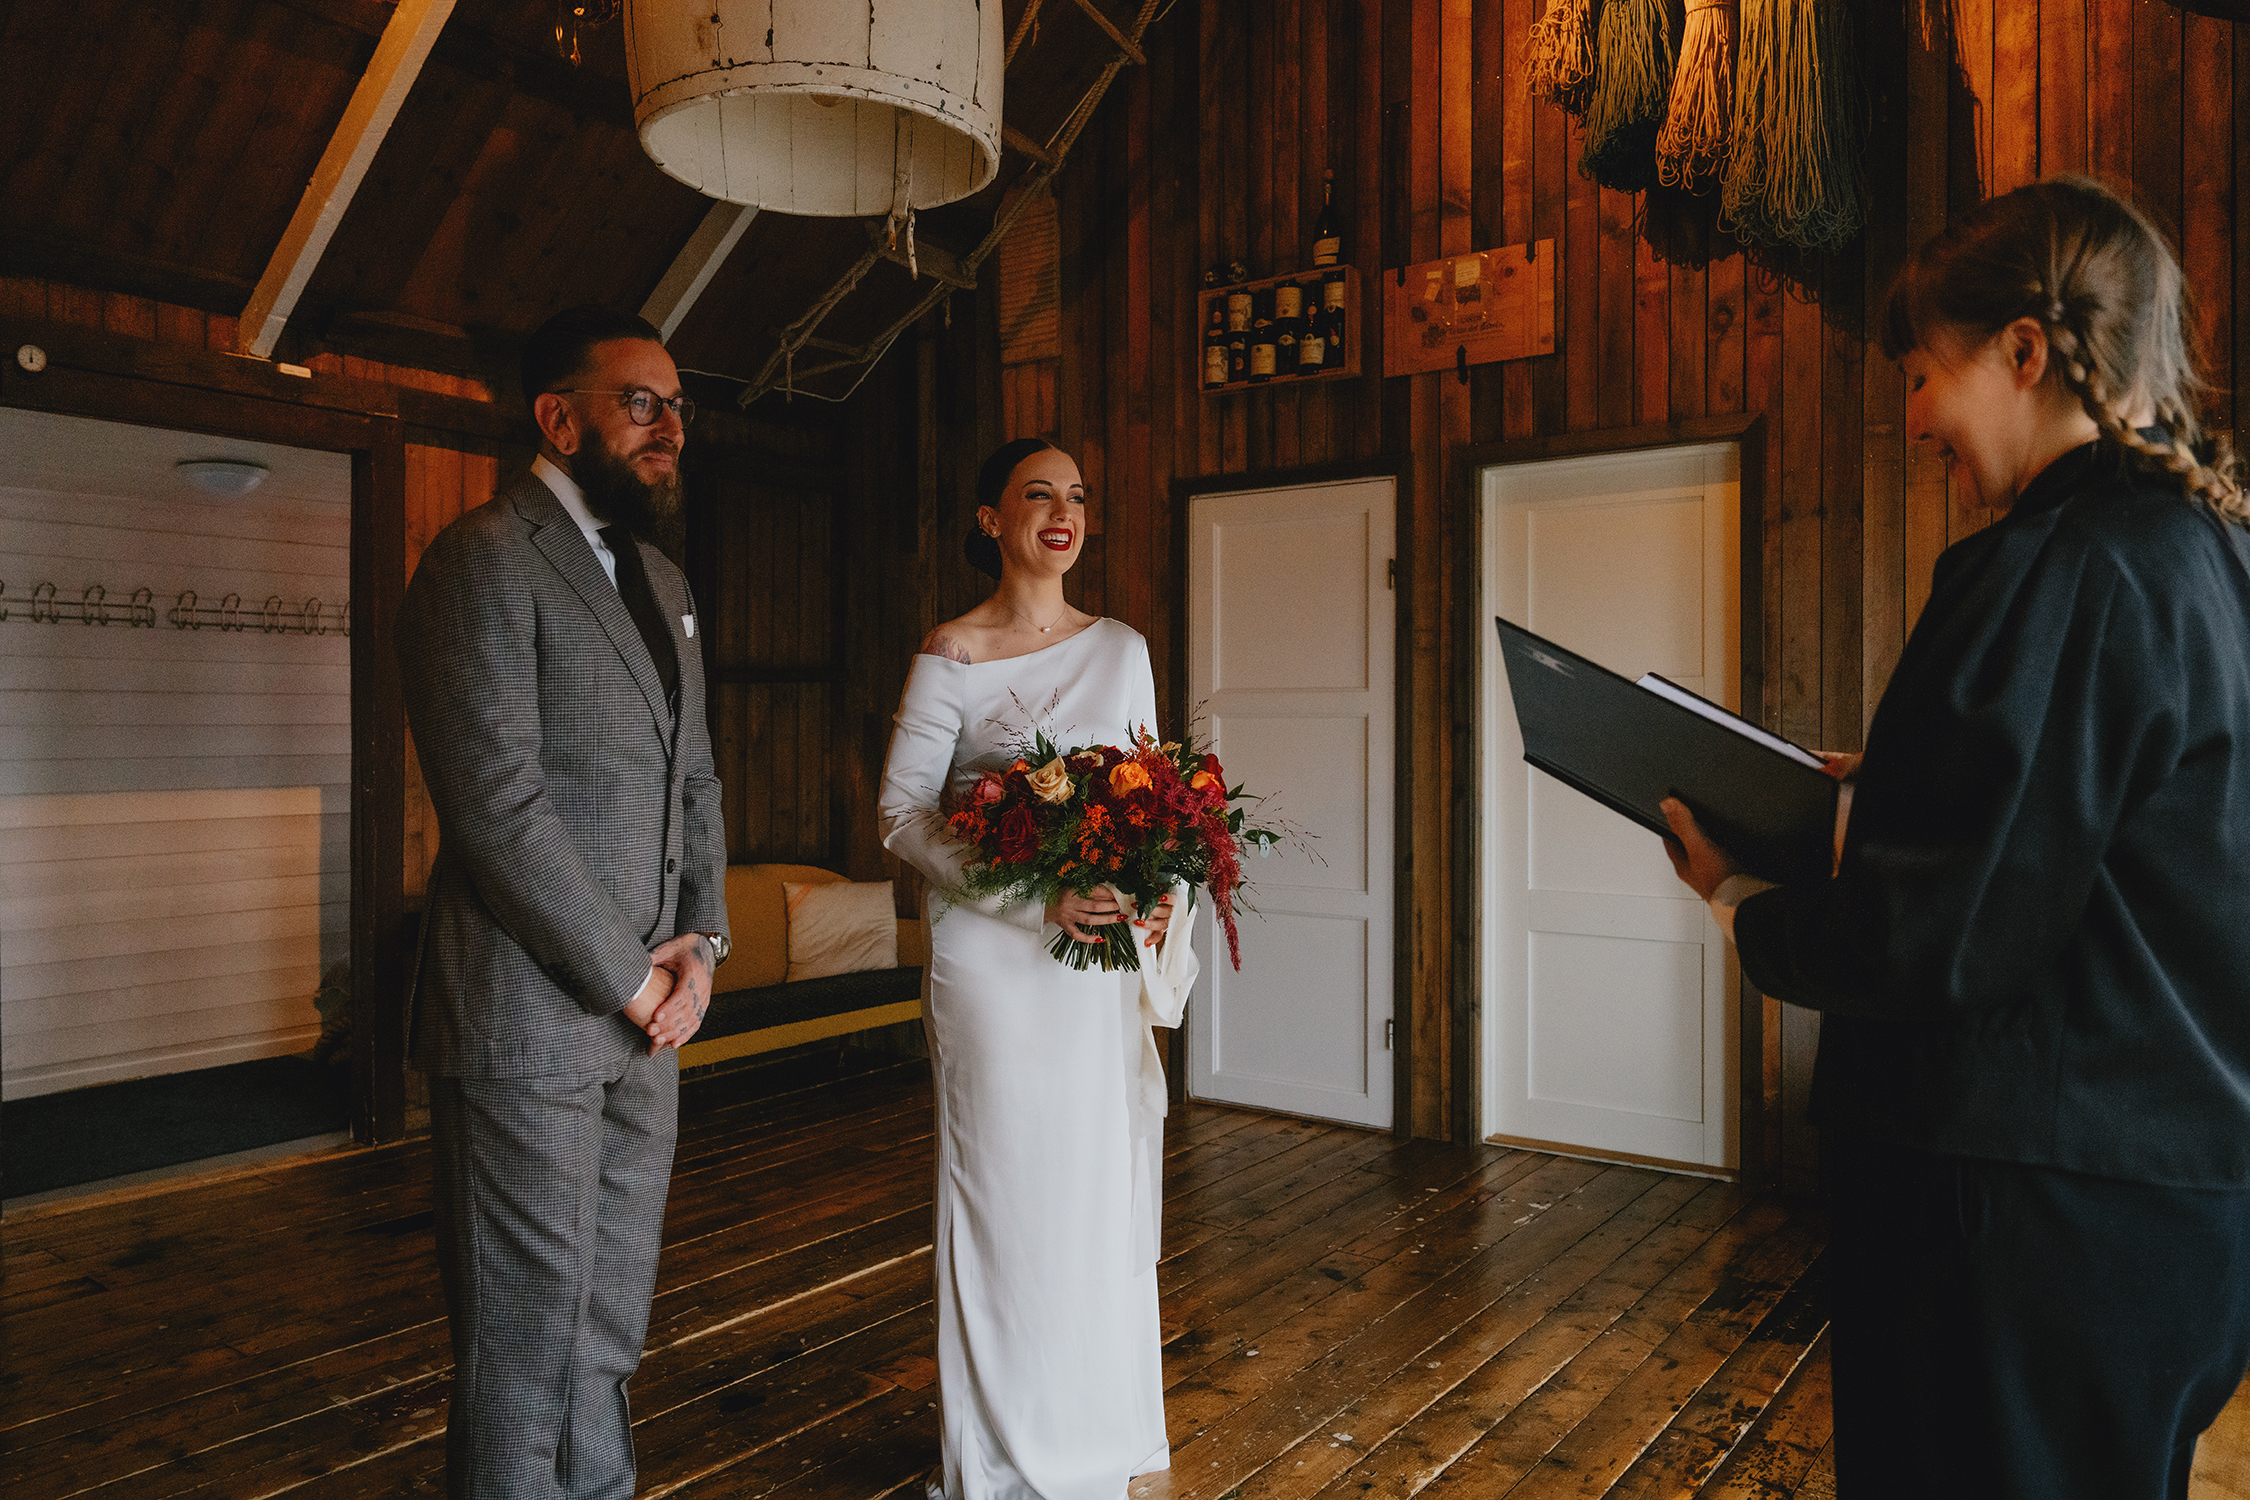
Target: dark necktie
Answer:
[[632, 587]]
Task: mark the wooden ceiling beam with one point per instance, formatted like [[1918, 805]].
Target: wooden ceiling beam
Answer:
[[399, 55], [706, 250]]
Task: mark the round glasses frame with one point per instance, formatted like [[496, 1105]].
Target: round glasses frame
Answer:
[[640, 404]]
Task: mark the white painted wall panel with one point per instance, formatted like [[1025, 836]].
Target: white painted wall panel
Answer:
[[174, 827]]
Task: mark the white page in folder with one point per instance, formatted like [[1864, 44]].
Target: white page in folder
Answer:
[[1664, 688]]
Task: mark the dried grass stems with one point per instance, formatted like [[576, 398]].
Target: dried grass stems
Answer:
[[1632, 88], [1691, 150], [1561, 68], [1792, 177]]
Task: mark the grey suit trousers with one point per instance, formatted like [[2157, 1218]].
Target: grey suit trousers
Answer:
[[551, 1202]]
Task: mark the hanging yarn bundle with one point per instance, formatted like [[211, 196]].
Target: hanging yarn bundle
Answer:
[[1792, 176], [1561, 65], [1691, 150], [1632, 85]]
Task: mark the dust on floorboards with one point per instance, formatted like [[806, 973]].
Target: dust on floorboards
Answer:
[[1344, 1315]]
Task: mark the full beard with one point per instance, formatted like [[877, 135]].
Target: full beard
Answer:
[[652, 512]]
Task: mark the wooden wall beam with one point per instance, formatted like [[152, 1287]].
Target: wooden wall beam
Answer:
[[71, 346]]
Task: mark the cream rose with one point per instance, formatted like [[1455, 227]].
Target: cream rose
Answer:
[[1051, 782]]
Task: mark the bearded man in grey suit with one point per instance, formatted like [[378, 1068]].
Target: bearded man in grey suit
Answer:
[[555, 689]]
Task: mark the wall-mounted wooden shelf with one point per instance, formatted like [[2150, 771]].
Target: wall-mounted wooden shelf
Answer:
[[1355, 329]]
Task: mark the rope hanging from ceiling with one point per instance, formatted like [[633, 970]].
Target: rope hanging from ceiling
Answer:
[[1691, 150], [1561, 65], [1632, 88], [1792, 175]]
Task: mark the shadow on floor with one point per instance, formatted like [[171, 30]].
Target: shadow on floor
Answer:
[[112, 1129]]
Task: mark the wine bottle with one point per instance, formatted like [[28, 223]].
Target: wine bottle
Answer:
[[1332, 314], [1327, 230], [1288, 325], [1263, 351], [1312, 344], [1238, 310], [1215, 345]]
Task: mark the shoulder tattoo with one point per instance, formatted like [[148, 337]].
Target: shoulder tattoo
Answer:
[[941, 644]]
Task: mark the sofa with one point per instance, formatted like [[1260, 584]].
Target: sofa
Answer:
[[756, 1007]]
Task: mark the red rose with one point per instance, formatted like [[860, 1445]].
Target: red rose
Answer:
[[1019, 835]]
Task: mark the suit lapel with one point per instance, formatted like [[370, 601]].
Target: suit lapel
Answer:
[[565, 547]]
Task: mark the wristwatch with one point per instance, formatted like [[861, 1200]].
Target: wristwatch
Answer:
[[720, 947]]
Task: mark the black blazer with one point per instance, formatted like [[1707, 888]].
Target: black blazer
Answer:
[[2037, 947]]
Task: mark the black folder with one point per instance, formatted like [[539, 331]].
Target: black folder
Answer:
[[1629, 748]]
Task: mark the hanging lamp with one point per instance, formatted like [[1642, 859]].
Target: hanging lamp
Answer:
[[821, 107]]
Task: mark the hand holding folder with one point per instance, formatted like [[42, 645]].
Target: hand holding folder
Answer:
[[1768, 803]]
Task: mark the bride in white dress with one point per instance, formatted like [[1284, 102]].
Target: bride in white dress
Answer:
[[1050, 1098]]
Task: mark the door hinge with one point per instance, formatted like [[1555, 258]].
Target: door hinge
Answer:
[[1390, 572], [1387, 1035]]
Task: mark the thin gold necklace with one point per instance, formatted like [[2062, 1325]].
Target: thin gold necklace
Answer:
[[1051, 624]]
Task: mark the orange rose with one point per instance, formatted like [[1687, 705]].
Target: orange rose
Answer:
[[1127, 776], [1204, 781]]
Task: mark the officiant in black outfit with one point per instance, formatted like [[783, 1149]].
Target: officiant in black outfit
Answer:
[[2033, 959]]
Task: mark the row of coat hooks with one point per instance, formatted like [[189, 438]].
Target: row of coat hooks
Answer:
[[138, 612]]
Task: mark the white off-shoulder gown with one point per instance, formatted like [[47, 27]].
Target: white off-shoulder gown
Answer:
[[1050, 1106]]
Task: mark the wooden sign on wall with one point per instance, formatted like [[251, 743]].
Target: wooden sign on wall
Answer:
[[1469, 309]]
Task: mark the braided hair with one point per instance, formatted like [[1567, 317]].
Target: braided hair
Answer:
[[2101, 281]]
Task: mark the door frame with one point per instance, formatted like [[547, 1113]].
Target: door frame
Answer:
[[112, 378], [1399, 471], [1758, 1102]]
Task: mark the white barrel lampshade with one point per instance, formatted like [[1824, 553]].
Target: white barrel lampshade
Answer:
[[826, 107]]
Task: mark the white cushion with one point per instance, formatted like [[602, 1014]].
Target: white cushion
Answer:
[[840, 928]]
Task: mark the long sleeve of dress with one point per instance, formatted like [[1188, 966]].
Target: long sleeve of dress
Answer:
[[923, 740]]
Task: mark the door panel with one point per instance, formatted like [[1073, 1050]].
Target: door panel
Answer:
[[1290, 652], [1608, 1028]]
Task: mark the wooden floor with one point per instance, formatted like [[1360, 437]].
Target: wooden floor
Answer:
[[1344, 1315]]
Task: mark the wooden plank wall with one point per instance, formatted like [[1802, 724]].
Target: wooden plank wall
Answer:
[[1216, 149]]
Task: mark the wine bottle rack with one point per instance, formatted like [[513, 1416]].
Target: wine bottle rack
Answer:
[[1355, 327]]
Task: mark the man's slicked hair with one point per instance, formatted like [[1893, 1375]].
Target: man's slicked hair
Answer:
[[554, 356]]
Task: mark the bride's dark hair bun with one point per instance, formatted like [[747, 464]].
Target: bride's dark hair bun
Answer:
[[982, 551]]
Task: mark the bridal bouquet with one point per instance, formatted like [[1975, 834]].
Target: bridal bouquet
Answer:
[[1136, 818]]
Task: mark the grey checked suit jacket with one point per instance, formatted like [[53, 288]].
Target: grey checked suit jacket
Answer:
[[579, 819]]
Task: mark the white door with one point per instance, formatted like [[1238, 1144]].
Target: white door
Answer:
[[1291, 623], [1608, 1027]]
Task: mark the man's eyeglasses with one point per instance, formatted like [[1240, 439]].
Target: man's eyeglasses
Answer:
[[642, 405]]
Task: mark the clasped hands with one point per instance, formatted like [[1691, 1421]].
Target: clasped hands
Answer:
[[1075, 914], [671, 1003]]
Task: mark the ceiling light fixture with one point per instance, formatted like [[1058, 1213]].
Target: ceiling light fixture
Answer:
[[822, 107], [222, 476]]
